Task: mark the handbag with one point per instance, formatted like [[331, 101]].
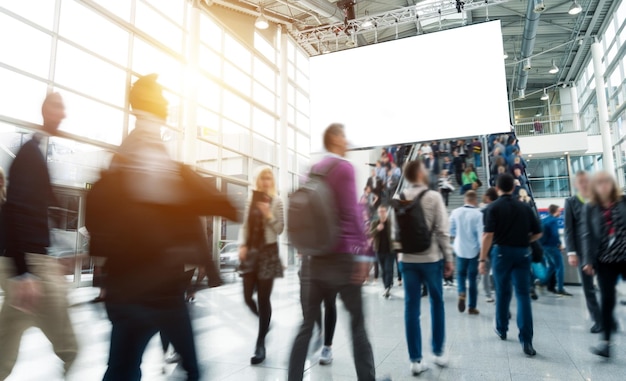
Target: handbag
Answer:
[[251, 262], [537, 252], [479, 183]]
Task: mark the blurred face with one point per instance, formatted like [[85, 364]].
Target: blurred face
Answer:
[[266, 183], [341, 144], [603, 186], [501, 169], [382, 213], [582, 185], [53, 112], [517, 172]]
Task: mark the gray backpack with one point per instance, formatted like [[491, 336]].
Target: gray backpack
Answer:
[[313, 224]]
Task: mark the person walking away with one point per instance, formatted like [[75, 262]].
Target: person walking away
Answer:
[[552, 249], [466, 228], [510, 226], [477, 150], [445, 187], [143, 216], [258, 253], [490, 196], [574, 228], [341, 271], [604, 238], [458, 163], [35, 289], [380, 231], [469, 180], [421, 235]]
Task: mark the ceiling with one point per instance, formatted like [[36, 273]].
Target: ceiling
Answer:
[[557, 31]]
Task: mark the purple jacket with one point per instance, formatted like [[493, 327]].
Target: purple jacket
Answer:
[[341, 179]]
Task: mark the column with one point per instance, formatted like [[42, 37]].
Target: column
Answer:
[[190, 130], [573, 94], [603, 111], [283, 163]]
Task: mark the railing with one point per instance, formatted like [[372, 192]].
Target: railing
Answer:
[[547, 125], [550, 187]]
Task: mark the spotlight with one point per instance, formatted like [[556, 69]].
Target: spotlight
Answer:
[[554, 69], [350, 43], [522, 94], [367, 24], [506, 55], [539, 6], [545, 96], [527, 64], [575, 8], [261, 22]]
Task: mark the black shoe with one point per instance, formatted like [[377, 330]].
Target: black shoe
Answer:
[[622, 302], [502, 336], [596, 328], [528, 349], [533, 295], [602, 350], [563, 293], [259, 355]]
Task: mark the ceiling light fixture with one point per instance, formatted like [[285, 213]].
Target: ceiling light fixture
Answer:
[[350, 43], [522, 94], [554, 69], [575, 8], [545, 96], [527, 64], [261, 22]]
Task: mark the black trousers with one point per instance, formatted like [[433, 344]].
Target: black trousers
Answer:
[[590, 295], [133, 325], [320, 277], [608, 274], [263, 307], [387, 261]]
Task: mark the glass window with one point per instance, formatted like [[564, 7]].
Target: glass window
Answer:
[[291, 94], [264, 74], [174, 9], [92, 119], [235, 136], [291, 50], [159, 27], [263, 149], [621, 11], [30, 52], [263, 123], [302, 61], [147, 59], [540, 168], [303, 123], [237, 79], [209, 93], [210, 61], [93, 31], [291, 161], [550, 188], [302, 101], [291, 115], [303, 143], [238, 195], [208, 124], [235, 108], [238, 54], [90, 75], [291, 138], [303, 164], [583, 163], [615, 79], [73, 163], [264, 47], [207, 155], [610, 55], [210, 32], [20, 96], [41, 13], [119, 8], [302, 80], [235, 165], [263, 96]]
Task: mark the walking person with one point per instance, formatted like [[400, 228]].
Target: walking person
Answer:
[[490, 196], [458, 164], [605, 239], [466, 228], [258, 254], [477, 150], [421, 234], [341, 271], [574, 228], [552, 249], [380, 231], [35, 289], [510, 226]]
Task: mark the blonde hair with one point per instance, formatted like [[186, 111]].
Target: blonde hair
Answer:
[[616, 194], [266, 171], [523, 196]]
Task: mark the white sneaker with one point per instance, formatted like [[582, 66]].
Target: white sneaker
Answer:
[[418, 367], [327, 356], [441, 360]]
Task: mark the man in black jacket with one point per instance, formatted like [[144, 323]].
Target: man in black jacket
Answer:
[[574, 226], [34, 285]]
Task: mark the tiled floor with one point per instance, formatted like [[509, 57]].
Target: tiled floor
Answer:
[[226, 333]]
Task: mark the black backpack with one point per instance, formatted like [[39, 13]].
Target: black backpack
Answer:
[[415, 234]]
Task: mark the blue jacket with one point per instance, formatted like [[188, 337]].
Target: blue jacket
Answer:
[[551, 236]]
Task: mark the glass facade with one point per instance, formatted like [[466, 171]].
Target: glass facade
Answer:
[[222, 84], [551, 177]]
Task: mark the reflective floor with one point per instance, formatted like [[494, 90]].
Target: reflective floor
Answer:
[[225, 334]]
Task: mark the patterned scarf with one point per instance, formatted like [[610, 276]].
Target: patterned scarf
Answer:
[[614, 243]]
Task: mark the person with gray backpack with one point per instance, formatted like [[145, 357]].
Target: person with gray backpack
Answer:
[[325, 224]]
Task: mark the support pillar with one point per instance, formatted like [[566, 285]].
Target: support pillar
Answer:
[[573, 93], [190, 129], [603, 110], [283, 168]]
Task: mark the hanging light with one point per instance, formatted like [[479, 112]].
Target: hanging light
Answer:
[[350, 43], [367, 24], [545, 96], [554, 69], [261, 22], [527, 65], [575, 8], [522, 94], [506, 55]]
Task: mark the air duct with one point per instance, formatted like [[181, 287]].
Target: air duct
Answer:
[[528, 41]]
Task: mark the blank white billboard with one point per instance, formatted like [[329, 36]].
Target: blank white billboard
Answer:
[[434, 86]]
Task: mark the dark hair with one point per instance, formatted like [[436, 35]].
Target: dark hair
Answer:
[[146, 94], [491, 194], [412, 170], [332, 130], [505, 182], [553, 209]]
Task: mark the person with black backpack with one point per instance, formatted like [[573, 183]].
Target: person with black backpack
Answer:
[[421, 235]]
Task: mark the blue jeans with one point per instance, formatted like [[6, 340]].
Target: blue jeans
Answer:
[[468, 268], [511, 268], [386, 261], [477, 160], [414, 275], [555, 266]]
